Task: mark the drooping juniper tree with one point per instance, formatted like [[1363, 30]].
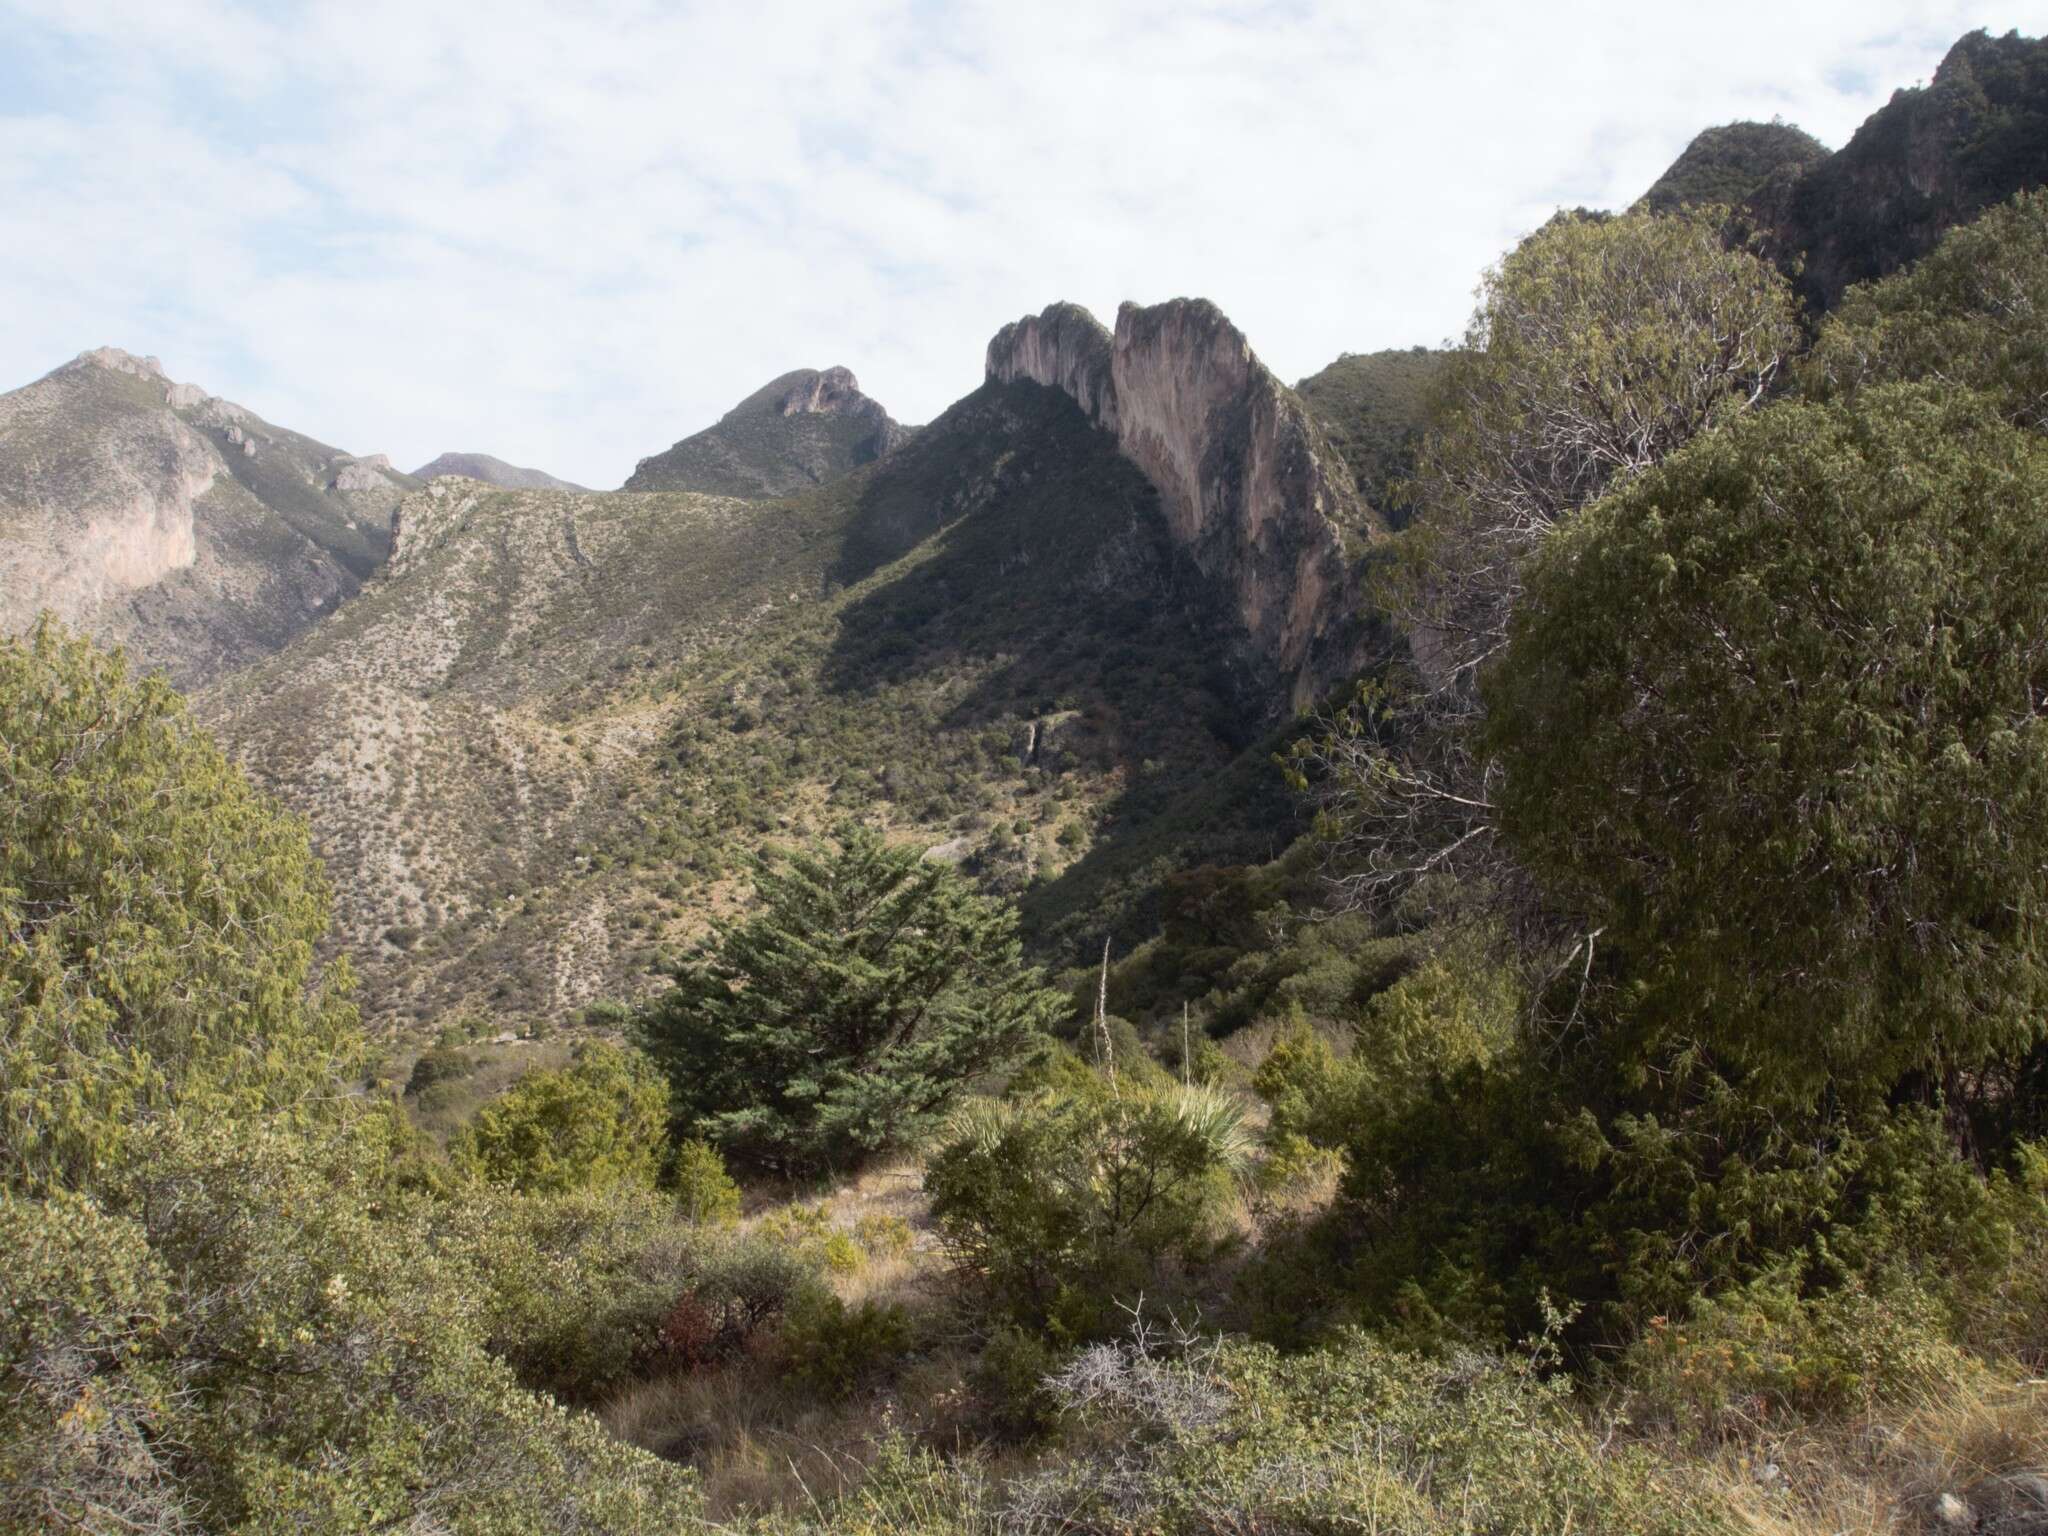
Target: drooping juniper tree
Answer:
[[868, 988]]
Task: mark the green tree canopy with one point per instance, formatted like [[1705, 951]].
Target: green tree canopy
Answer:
[[1974, 312], [601, 1120], [867, 990], [157, 922], [1772, 719], [1600, 345]]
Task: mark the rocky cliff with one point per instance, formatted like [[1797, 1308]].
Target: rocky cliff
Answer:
[[797, 431], [1933, 157], [1251, 488], [150, 513]]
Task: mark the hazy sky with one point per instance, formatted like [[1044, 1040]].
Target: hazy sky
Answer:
[[569, 234]]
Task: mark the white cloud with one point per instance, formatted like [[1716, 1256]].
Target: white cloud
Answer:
[[570, 234]]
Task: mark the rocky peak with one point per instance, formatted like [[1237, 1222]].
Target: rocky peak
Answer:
[[1065, 348], [798, 430], [1251, 489], [115, 360], [833, 392], [1933, 157], [492, 471]]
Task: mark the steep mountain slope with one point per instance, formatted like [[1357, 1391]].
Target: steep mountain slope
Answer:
[[1729, 163], [1933, 157], [150, 514], [493, 471], [1253, 492], [1372, 405], [800, 430], [533, 749]]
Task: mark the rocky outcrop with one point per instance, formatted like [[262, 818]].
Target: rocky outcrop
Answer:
[[1062, 347], [370, 474], [149, 513], [1933, 157], [796, 431], [1251, 489]]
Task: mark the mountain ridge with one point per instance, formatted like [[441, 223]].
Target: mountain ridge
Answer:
[[800, 429], [493, 471], [153, 514]]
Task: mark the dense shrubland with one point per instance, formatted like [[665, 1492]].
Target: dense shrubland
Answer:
[[1625, 1113]]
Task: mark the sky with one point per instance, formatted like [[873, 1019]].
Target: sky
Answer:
[[570, 234]]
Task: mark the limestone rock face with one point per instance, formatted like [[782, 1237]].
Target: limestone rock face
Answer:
[[1064, 348], [370, 474], [1251, 488], [148, 513]]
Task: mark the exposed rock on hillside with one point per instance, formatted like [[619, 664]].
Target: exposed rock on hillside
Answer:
[[800, 430], [149, 513], [1934, 157], [492, 471], [1251, 487]]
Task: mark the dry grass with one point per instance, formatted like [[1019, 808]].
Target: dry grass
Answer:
[[1977, 1444]]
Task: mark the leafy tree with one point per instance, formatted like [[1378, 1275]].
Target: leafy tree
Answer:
[[1773, 720], [1600, 345], [867, 990], [219, 1309], [600, 1121], [157, 923], [1973, 312]]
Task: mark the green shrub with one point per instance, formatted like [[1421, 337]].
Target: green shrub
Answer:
[[232, 1340], [732, 1288], [1008, 1382], [1062, 1206], [705, 1192], [1766, 1354], [1174, 1433], [436, 1065], [600, 1121], [836, 1349]]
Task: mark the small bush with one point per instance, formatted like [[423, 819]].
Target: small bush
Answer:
[[1063, 1205], [705, 1192], [735, 1289], [600, 1121], [835, 1348]]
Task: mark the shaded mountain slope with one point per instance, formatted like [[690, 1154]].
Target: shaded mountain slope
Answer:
[[534, 749], [493, 471], [1935, 156], [150, 514], [1253, 493], [803, 429], [1372, 405]]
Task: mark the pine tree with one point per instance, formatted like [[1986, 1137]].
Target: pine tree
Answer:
[[844, 1016]]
